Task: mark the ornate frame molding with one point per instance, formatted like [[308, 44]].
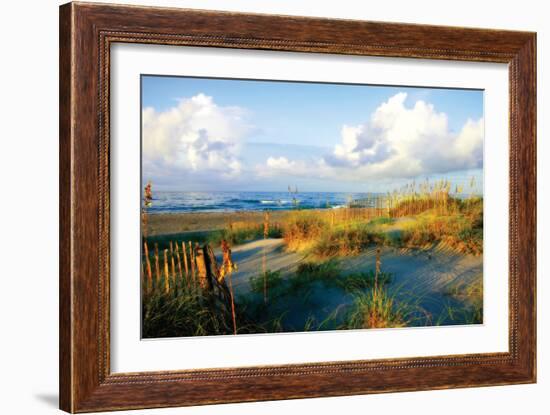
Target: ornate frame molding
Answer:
[[86, 34]]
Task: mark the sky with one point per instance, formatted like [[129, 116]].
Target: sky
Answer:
[[202, 134]]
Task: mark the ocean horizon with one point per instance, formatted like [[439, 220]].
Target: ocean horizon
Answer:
[[230, 201]]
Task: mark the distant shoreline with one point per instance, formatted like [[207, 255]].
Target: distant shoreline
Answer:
[[268, 208]]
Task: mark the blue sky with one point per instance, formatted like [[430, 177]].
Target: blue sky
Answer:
[[203, 134]]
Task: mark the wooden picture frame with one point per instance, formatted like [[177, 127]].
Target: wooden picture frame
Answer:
[[86, 33]]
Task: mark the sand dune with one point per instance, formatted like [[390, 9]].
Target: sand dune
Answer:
[[249, 258], [424, 275]]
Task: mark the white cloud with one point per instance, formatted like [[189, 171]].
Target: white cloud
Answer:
[[197, 135], [396, 142], [282, 166], [401, 142], [280, 163]]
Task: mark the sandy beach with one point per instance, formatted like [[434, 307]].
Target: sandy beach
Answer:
[[174, 223]]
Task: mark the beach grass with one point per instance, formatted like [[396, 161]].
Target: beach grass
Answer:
[[163, 241], [460, 229], [182, 315], [376, 308], [242, 234], [344, 232], [310, 276], [273, 279], [303, 228], [470, 296]]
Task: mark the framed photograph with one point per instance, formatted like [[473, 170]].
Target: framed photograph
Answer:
[[259, 207]]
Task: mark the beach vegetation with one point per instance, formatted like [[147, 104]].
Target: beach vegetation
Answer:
[[241, 232], [272, 278], [376, 308], [177, 301], [470, 297], [185, 314], [302, 228]]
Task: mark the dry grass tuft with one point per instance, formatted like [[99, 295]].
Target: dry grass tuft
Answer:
[[302, 229], [376, 308]]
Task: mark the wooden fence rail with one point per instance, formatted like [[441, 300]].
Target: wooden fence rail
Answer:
[[195, 270]]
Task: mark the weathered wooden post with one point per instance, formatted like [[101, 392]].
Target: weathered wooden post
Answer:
[[173, 266], [166, 276], [157, 265], [215, 278], [212, 268], [178, 259], [148, 267], [192, 259], [184, 253]]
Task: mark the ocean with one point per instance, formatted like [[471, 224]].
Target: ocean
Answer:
[[178, 202]]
